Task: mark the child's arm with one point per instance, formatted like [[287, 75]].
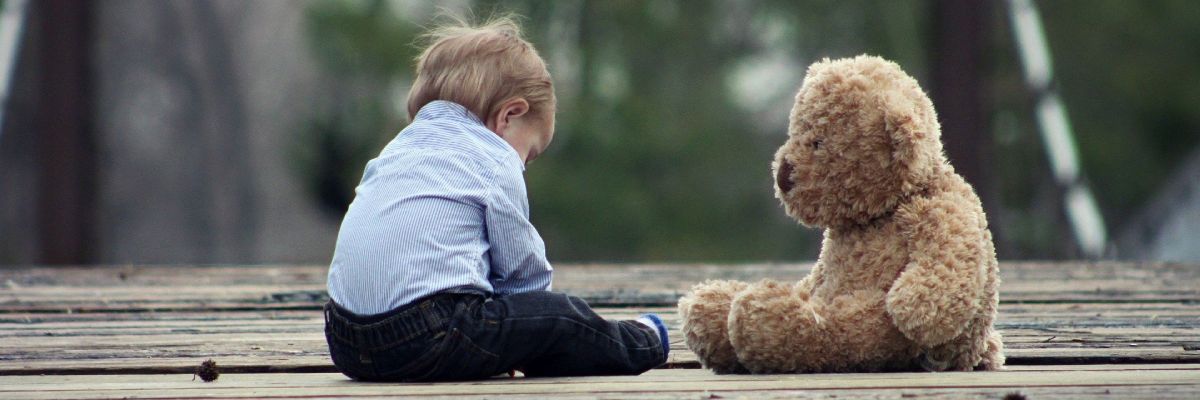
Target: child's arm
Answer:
[[518, 255]]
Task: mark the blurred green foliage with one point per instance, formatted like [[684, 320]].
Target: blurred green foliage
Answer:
[[1130, 73], [660, 156]]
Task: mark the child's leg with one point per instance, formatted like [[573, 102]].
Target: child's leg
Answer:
[[552, 334]]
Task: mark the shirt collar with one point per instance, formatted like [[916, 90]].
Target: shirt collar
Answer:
[[443, 108]]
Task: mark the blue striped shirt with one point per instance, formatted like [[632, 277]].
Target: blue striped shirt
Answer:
[[442, 208]]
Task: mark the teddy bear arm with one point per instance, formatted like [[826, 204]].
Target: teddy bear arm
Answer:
[[809, 282], [938, 293]]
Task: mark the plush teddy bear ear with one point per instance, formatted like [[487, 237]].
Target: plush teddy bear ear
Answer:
[[914, 133]]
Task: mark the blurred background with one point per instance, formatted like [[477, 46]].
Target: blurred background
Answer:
[[145, 131]]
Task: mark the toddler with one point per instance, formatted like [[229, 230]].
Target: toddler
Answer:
[[438, 273]]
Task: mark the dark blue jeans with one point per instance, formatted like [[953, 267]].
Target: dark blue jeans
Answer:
[[454, 336]]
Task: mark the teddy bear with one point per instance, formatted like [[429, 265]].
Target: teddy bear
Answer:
[[906, 279]]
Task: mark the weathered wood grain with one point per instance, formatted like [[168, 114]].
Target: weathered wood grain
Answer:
[[250, 341], [174, 288], [1072, 330], [1053, 382], [1163, 275]]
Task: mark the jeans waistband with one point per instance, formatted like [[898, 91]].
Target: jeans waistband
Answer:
[[426, 315]]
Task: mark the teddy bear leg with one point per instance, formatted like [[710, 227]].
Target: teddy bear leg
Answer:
[[704, 312], [980, 350], [774, 329], [993, 354]]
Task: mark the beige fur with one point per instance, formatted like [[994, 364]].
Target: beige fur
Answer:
[[906, 279]]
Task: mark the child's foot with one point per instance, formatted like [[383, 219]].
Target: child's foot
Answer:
[[656, 323]]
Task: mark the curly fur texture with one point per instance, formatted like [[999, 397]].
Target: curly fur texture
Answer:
[[906, 279]]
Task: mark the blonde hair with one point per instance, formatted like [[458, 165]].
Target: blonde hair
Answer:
[[481, 67]]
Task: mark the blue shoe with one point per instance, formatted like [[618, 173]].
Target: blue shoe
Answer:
[[655, 322]]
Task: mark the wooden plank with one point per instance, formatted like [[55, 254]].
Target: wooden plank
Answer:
[[47, 300], [1061, 382], [1156, 314], [679, 276], [166, 288], [139, 331], [157, 318], [1051, 332], [311, 356], [293, 340]]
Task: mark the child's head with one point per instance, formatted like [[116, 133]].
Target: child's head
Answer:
[[496, 74]]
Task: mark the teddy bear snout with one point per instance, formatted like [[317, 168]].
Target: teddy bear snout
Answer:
[[783, 177]]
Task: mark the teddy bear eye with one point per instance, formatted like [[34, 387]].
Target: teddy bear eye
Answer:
[[816, 144]]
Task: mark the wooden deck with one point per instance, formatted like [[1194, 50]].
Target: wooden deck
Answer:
[[1073, 330]]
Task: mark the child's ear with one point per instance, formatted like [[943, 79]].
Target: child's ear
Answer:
[[508, 110], [517, 107]]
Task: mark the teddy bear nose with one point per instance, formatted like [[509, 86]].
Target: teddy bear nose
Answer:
[[783, 177]]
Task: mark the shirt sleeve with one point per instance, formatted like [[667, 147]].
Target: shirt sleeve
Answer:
[[518, 254]]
